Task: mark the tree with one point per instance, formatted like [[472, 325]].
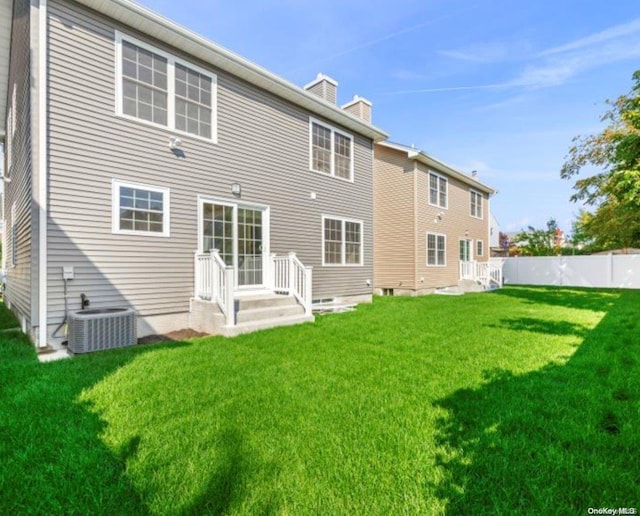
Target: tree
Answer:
[[539, 242], [614, 192]]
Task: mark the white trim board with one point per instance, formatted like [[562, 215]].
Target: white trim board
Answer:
[[43, 154]]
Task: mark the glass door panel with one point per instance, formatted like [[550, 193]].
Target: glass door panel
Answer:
[[217, 229], [237, 233], [465, 250], [250, 256]]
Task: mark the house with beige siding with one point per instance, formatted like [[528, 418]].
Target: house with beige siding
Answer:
[[431, 224], [149, 168]]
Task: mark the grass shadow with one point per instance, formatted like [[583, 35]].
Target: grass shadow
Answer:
[[598, 300], [561, 439], [52, 459], [229, 482], [545, 326]]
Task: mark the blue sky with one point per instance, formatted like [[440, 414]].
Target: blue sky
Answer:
[[496, 86]]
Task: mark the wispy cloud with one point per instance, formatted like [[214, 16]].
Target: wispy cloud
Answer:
[[554, 66], [448, 88], [615, 32], [376, 41], [479, 53], [508, 102]]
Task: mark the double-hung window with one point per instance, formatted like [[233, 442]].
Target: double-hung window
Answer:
[[157, 88], [437, 190], [476, 204], [436, 250], [140, 209], [479, 247], [331, 151], [341, 241]]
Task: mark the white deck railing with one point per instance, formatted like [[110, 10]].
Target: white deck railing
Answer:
[[214, 281], [291, 276], [487, 273]]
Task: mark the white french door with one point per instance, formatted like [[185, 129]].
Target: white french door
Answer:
[[466, 250], [240, 232]]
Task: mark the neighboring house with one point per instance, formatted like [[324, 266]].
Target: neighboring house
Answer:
[[431, 222], [135, 147]]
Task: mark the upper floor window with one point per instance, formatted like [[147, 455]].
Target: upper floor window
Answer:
[[158, 88], [144, 84], [139, 209], [437, 190], [476, 204], [341, 241], [331, 151]]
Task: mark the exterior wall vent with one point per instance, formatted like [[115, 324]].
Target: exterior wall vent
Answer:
[[101, 328]]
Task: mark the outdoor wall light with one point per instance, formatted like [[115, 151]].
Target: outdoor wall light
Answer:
[[175, 142], [236, 189]]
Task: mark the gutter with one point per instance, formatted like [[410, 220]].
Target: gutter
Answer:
[[157, 26]]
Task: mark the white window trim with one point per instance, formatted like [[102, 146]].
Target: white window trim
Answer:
[[426, 244], [171, 89], [115, 209], [471, 194], [446, 180], [481, 243], [333, 131], [343, 258]]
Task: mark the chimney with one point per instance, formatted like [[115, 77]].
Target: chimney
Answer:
[[324, 87], [359, 107]]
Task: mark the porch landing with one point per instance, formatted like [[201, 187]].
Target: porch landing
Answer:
[[251, 313]]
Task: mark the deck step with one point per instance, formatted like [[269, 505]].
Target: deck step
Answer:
[[268, 312], [263, 324], [264, 301]]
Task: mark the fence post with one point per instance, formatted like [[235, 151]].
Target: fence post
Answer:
[[292, 272], [610, 278], [308, 278], [196, 274], [273, 271], [215, 280], [229, 300]]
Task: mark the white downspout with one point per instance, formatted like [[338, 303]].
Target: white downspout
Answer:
[[42, 172]]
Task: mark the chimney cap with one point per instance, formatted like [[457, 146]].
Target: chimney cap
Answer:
[[319, 78], [355, 100]]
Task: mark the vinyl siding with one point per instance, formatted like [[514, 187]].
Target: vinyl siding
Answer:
[[325, 90], [403, 217], [263, 143], [19, 170], [394, 226], [455, 221]]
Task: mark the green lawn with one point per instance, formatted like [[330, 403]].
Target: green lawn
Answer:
[[523, 400]]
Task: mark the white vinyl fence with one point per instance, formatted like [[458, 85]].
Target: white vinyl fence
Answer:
[[616, 271]]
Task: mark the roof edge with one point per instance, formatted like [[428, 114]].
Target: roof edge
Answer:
[[433, 162], [171, 33]]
